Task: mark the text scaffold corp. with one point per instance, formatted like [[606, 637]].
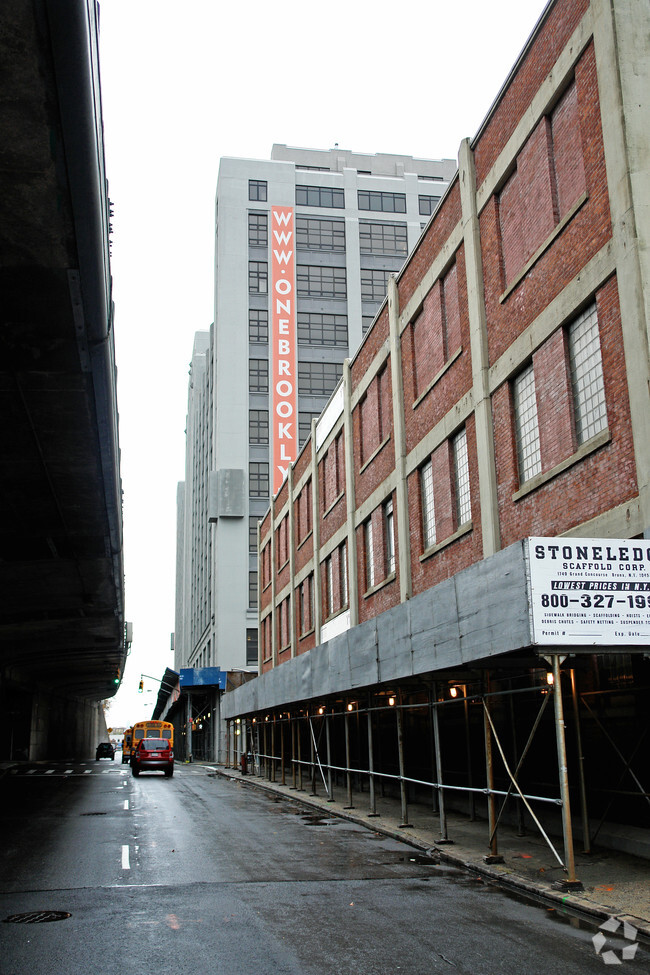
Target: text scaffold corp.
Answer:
[[284, 423]]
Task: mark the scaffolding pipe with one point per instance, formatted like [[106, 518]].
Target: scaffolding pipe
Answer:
[[567, 829], [442, 812], [293, 753], [282, 764], [347, 761], [489, 777], [402, 770], [315, 750], [371, 769], [584, 815], [330, 792]]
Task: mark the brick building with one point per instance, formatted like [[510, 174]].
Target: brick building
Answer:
[[501, 394]]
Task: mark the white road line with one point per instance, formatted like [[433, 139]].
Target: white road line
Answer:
[[68, 771], [88, 771], [50, 771], [125, 858], [31, 771], [126, 803]]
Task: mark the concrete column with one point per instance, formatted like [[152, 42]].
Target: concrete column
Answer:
[[274, 618], [315, 522], [621, 30], [479, 351], [399, 439], [350, 497], [292, 567]]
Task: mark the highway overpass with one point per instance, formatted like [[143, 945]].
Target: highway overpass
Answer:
[[62, 628]]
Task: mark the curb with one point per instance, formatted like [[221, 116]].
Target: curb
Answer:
[[485, 871]]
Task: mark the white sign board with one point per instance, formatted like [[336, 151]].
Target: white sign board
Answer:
[[590, 591]]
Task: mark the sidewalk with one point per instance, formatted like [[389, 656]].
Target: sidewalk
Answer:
[[616, 884]]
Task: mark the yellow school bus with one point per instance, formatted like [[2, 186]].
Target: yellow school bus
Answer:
[[126, 745], [152, 729]]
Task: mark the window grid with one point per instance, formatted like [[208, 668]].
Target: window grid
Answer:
[[389, 526], [427, 204], [318, 378], [258, 426], [526, 425], [370, 555], [258, 230], [251, 647], [320, 196], [379, 201], [314, 281], [461, 478], [587, 381], [383, 238], [258, 325], [257, 189], [304, 426], [374, 284], [258, 376], [428, 511], [330, 585], [316, 328], [252, 588], [343, 570], [258, 479], [252, 533], [258, 277], [321, 235]]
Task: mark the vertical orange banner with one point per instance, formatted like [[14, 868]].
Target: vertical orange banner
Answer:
[[284, 372]]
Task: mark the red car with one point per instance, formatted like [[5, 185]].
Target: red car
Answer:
[[152, 755]]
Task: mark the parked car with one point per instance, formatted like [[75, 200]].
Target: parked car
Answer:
[[105, 750], [152, 755]]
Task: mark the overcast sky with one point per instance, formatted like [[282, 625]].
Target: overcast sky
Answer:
[[184, 84]]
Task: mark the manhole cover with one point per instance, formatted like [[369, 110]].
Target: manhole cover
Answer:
[[37, 917]]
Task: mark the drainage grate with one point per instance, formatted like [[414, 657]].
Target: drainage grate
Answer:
[[37, 917], [93, 814]]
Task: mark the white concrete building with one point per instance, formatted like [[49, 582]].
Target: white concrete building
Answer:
[[355, 217]]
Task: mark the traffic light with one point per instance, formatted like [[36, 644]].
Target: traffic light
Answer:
[[140, 686]]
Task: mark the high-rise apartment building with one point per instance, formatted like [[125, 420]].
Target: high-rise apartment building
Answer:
[[305, 243]]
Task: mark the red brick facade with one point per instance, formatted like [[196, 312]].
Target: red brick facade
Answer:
[[428, 401]]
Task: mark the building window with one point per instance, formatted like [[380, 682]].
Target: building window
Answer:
[[526, 426], [427, 204], [329, 578], [258, 375], [386, 202], [318, 378], [370, 554], [252, 588], [436, 332], [343, 573], [252, 533], [461, 479], [320, 196], [306, 604], [587, 381], [548, 181], [257, 190], [428, 510], [258, 277], [251, 647], [258, 325], [258, 230], [314, 281], [373, 284], [366, 322], [258, 479], [304, 426], [320, 235], [318, 328], [389, 536], [383, 238], [258, 426]]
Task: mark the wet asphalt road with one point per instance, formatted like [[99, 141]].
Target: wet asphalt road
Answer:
[[200, 874]]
